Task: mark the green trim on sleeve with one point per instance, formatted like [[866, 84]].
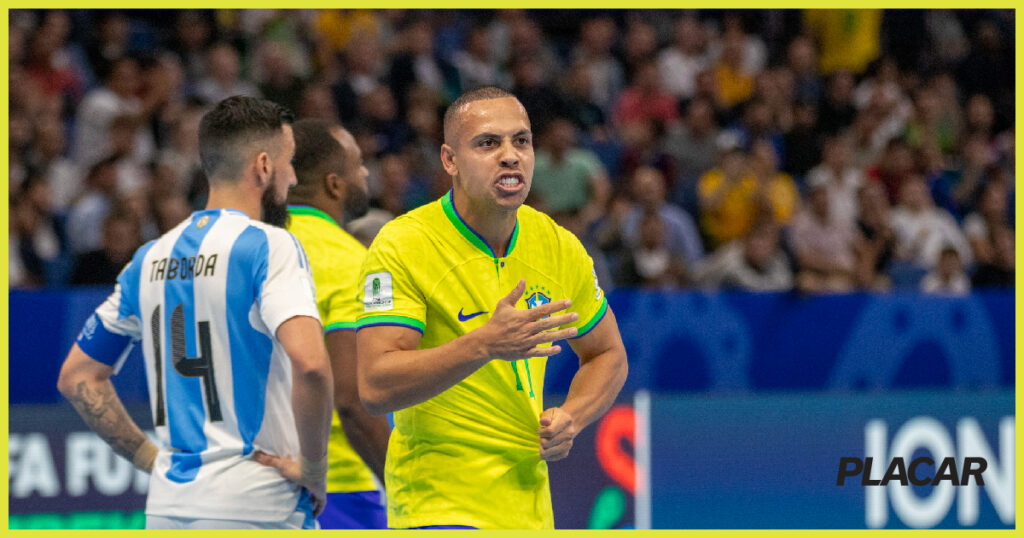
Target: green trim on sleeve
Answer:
[[598, 316], [403, 321], [340, 326]]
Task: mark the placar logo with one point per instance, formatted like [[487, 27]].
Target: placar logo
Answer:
[[947, 473]]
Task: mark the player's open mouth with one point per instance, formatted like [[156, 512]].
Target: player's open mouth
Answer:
[[510, 183]]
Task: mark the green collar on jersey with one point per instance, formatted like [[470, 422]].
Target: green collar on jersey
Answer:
[[448, 203], [308, 211]]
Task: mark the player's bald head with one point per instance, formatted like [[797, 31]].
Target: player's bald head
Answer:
[[453, 116]]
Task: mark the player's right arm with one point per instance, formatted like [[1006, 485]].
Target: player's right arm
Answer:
[[85, 382], [393, 374]]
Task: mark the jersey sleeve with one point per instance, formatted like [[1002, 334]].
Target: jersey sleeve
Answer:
[[343, 305], [287, 290], [113, 328], [387, 290], [588, 299]]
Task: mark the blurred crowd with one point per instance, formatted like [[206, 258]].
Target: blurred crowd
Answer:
[[817, 150]]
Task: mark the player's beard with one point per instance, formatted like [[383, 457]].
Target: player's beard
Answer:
[[357, 201], [274, 212]]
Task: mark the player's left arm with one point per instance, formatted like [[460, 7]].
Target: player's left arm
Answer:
[[602, 373], [85, 382]]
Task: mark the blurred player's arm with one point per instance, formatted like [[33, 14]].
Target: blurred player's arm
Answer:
[[602, 373], [367, 434], [393, 374], [85, 382]]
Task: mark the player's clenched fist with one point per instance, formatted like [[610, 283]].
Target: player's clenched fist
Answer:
[[557, 431], [513, 334]]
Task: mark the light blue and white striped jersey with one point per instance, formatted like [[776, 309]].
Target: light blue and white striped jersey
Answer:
[[205, 300]]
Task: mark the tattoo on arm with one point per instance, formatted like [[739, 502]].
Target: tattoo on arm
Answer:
[[103, 411]]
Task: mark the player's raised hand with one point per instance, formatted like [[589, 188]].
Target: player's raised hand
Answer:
[[315, 482], [557, 431], [513, 334]]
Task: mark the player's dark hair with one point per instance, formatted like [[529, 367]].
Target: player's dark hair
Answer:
[[237, 128], [452, 114], [317, 153]]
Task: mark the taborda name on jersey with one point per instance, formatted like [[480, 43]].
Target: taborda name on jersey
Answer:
[[183, 268]]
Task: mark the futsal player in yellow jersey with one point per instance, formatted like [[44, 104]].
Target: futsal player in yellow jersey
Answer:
[[332, 185], [462, 299]]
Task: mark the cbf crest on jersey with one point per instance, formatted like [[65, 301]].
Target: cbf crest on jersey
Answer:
[[536, 296]]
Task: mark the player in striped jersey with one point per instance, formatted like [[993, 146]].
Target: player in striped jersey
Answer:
[[224, 308]]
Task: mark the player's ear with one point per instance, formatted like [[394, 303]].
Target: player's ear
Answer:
[[334, 185], [264, 168], [448, 160]]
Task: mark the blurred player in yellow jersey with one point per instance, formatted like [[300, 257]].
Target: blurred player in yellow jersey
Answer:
[[462, 299], [332, 186]]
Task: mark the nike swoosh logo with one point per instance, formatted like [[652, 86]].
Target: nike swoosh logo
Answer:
[[467, 317]]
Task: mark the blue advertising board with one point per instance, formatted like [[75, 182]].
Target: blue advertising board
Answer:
[[772, 461]]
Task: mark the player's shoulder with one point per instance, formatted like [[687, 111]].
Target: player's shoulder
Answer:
[[540, 229], [412, 227]]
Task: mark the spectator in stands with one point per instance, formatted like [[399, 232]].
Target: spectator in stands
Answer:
[[692, 146], [876, 244], [948, 276], [645, 100], [990, 214], [418, 65], [801, 59], [278, 79], [958, 190], [727, 197], [894, 168], [923, 230], [87, 213], [37, 242], [754, 263], [639, 44], [681, 62], [474, 63], [734, 69], [118, 97], [823, 245], [224, 76], [567, 177], [999, 271], [803, 141], [101, 266], [842, 179], [47, 155], [110, 42], [593, 52], [979, 116], [317, 102], [364, 70], [837, 111], [51, 63], [779, 197], [650, 262], [677, 230]]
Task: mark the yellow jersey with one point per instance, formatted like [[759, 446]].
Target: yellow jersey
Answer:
[[471, 455], [335, 257]]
